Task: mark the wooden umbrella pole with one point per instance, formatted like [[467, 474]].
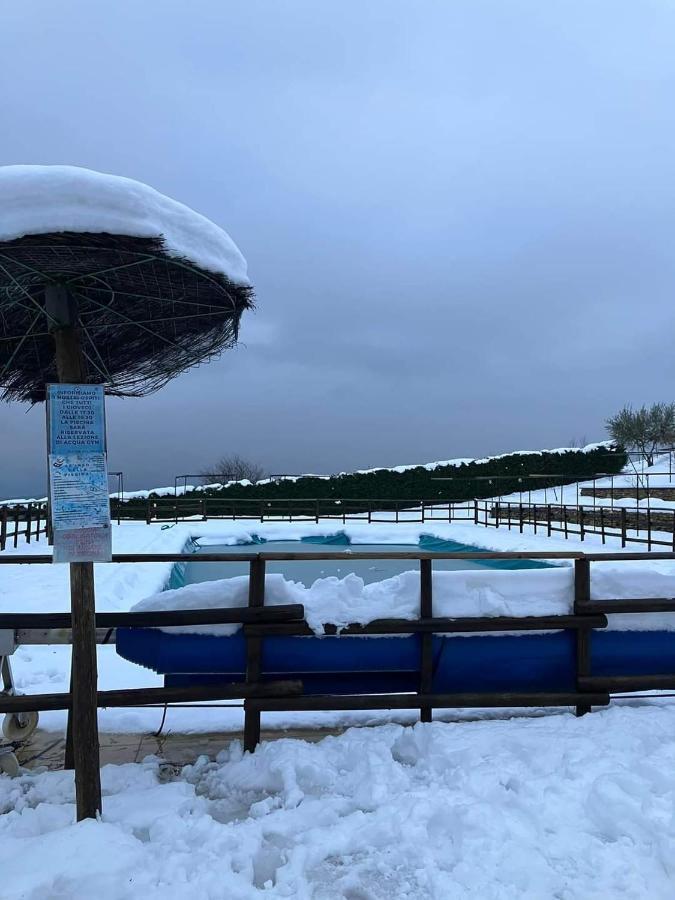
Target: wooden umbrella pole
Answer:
[[83, 717]]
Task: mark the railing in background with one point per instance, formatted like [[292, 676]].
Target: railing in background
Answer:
[[630, 525], [653, 527], [22, 520]]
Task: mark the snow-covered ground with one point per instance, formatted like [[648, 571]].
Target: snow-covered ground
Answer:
[[524, 808], [536, 806], [42, 588], [635, 475]]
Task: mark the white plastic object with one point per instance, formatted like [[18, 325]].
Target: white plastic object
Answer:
[[19, 726]]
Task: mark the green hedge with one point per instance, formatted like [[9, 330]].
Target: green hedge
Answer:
[[467, 481]]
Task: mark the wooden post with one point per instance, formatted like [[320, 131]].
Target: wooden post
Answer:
[[16, 526], [62, 310], [475, 512], [256, 598], [602, 523], [582, 529], [426, 660], [623, 526], [548, 520], [582, 595], [649, 528], [3, 527]]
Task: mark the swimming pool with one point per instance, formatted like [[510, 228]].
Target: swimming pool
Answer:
[[370, 570]]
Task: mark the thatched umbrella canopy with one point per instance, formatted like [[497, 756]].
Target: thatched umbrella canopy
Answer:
[[157, 288]]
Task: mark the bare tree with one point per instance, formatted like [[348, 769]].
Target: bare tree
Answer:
[[233, 468], [645, 429]]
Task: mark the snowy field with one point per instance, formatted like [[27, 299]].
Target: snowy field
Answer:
[[476, 804], [528, 808]]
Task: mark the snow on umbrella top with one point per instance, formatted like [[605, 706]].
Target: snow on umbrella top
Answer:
[[158, 287]]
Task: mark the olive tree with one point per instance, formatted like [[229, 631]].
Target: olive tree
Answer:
[[644, 429]]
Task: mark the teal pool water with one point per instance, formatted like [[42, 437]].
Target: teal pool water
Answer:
[[307, 571]]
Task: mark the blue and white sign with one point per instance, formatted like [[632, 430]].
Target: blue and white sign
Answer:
[[76, 418], [78, 473], [79, 483]]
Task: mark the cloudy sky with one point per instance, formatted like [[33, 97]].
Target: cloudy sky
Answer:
[[459, 216]]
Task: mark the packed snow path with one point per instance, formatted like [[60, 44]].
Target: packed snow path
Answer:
[[543, 807]]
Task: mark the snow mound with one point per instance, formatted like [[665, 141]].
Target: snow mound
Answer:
[[46, 199], [456, 593], [537, 808], [345, 601]]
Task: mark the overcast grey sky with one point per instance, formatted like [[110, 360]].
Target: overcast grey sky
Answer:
[[459, 216]]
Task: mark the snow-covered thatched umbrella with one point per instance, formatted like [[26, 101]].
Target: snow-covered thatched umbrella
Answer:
[[156, 287], [105, 281]]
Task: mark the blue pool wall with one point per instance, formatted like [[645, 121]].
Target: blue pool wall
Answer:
[[339, 665]]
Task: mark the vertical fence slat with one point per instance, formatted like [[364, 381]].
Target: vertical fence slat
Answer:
[[256, 599], [426, 661], [582, 595]]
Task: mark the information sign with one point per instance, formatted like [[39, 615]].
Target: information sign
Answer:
[[78, 473]]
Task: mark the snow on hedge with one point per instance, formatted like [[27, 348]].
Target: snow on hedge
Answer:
[[465, 461], [180, 490], [45, 199], [524, 808]]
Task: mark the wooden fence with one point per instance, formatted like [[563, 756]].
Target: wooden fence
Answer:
[[260, 623], [630, 525], [26, 521]]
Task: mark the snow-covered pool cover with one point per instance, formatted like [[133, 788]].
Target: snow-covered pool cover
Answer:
[[47, 199], [471, 592]]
